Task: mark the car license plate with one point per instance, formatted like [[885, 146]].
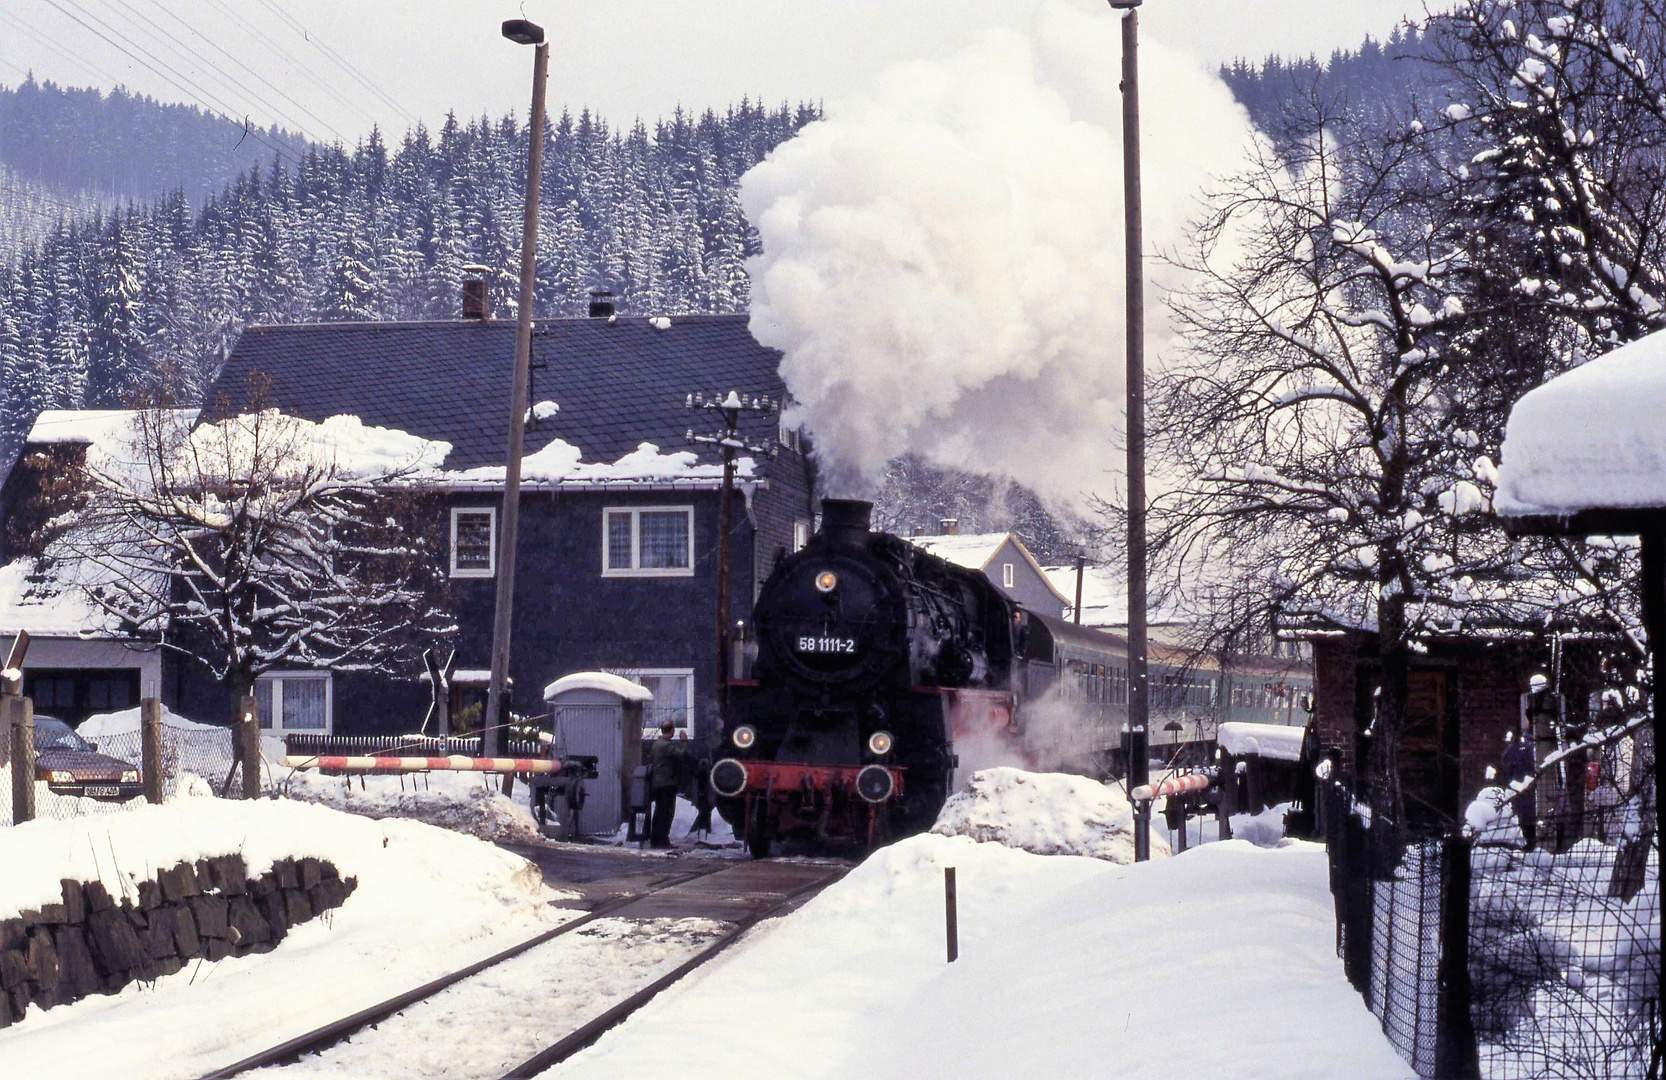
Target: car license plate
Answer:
[[102, 791], [843, 645]]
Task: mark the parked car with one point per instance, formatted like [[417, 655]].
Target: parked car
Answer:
[[71, 765]]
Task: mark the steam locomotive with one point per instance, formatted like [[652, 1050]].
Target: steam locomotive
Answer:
[[880, 667]]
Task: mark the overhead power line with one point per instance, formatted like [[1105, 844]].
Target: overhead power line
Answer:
[[44, 40], [339, 60], [265, 40], [183, 83], [257, 75]]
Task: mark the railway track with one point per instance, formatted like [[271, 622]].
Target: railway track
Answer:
[[738, 895]]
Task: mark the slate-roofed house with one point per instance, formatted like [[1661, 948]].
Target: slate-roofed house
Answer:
[[1004, 560], [615, 567]]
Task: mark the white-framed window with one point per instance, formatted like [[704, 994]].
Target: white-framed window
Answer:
[[1006, 575], [673, 690], [801, 535], [295, 701], [473, 541], [648, 541]]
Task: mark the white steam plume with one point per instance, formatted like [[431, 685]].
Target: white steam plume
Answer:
[[942, 259]]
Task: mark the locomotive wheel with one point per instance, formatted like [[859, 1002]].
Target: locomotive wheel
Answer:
[[757, 831]]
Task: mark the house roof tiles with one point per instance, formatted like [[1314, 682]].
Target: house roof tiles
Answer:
[[618, 383]]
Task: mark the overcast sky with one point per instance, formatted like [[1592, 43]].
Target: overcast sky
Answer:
[[391, 60]]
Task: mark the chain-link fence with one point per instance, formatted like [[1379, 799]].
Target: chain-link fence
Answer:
[[195, 756], [1526, 945]]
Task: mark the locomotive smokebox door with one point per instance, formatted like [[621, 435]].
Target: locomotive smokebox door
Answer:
[[600, 714]]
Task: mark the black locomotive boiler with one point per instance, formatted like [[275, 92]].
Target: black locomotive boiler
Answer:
[[875, 660]]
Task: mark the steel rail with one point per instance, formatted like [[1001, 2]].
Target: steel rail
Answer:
[[324, 1037], [587, 1035]]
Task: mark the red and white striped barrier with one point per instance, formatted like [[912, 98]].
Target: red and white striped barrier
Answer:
[[1174, 785], [455, 763]]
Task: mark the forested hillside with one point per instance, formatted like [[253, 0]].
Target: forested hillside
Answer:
[[123, 146], [109, 304]]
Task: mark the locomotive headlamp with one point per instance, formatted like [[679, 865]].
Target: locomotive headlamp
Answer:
[[874, 783], [744, 736], [827, 581], [880, 743], [728, 778]]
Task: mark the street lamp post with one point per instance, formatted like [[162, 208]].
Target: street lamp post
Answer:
[[1139, 687], [521, 32]]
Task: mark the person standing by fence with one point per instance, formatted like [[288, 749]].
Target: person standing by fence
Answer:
[[1517, 764]]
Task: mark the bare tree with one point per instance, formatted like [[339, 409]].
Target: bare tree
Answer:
[[260, 540], [1317, 427]]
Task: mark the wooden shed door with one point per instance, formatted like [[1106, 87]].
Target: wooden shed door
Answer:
[[1423, 750]]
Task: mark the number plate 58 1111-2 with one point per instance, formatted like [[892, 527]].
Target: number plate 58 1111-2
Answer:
[[827, 645]]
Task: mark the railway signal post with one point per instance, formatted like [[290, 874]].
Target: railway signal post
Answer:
[[1139, 687], [729, 443]]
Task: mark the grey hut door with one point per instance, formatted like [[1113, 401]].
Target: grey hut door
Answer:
[[594, 727]]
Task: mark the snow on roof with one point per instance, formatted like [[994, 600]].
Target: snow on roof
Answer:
[[560, 460], [973, 550], [1591, 438], [605, 681], [1276, 741], [47, 602], [107, 428]]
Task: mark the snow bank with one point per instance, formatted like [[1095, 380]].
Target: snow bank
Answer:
[[126, 722], [462, 802], [428, 901], [1277, 742], [1067, 967], [1591, 437], [1265, 829], [1045, 814], [1491, 817]]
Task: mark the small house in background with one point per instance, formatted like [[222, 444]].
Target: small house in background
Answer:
[[1004, 560], [79, 661]]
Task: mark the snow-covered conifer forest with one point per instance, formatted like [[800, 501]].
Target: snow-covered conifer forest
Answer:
[[101, 303]]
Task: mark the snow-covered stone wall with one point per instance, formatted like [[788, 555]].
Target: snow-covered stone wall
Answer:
[[91, 942]]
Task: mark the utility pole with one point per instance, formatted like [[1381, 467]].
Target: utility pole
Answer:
[[730, 444], [521, 32], [1139, 687]]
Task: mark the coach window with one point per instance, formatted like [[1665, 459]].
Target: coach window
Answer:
[[473, 546], [295, 701], [648, 541]]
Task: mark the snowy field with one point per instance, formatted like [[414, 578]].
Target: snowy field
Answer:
[[1069, 967], [428, 901]]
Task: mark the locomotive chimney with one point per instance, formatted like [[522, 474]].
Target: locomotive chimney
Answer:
[[846, 521], [948, 527]]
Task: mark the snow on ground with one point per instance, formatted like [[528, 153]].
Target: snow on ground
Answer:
[[1045, 813], [1265, 829], [506, 1014], [463, 802], [1591, 437], [428, 901], [1069, 967], [720, 836]]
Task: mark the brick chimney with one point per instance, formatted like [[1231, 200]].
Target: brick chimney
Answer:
[[477, 303], [601, 304]]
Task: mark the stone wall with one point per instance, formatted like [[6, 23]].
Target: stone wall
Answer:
[[94, 943]]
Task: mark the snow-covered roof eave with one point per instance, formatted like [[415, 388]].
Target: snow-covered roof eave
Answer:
[[700, 484], [604, 681]]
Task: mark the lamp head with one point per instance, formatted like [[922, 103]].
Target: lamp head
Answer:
[[523, 32]]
